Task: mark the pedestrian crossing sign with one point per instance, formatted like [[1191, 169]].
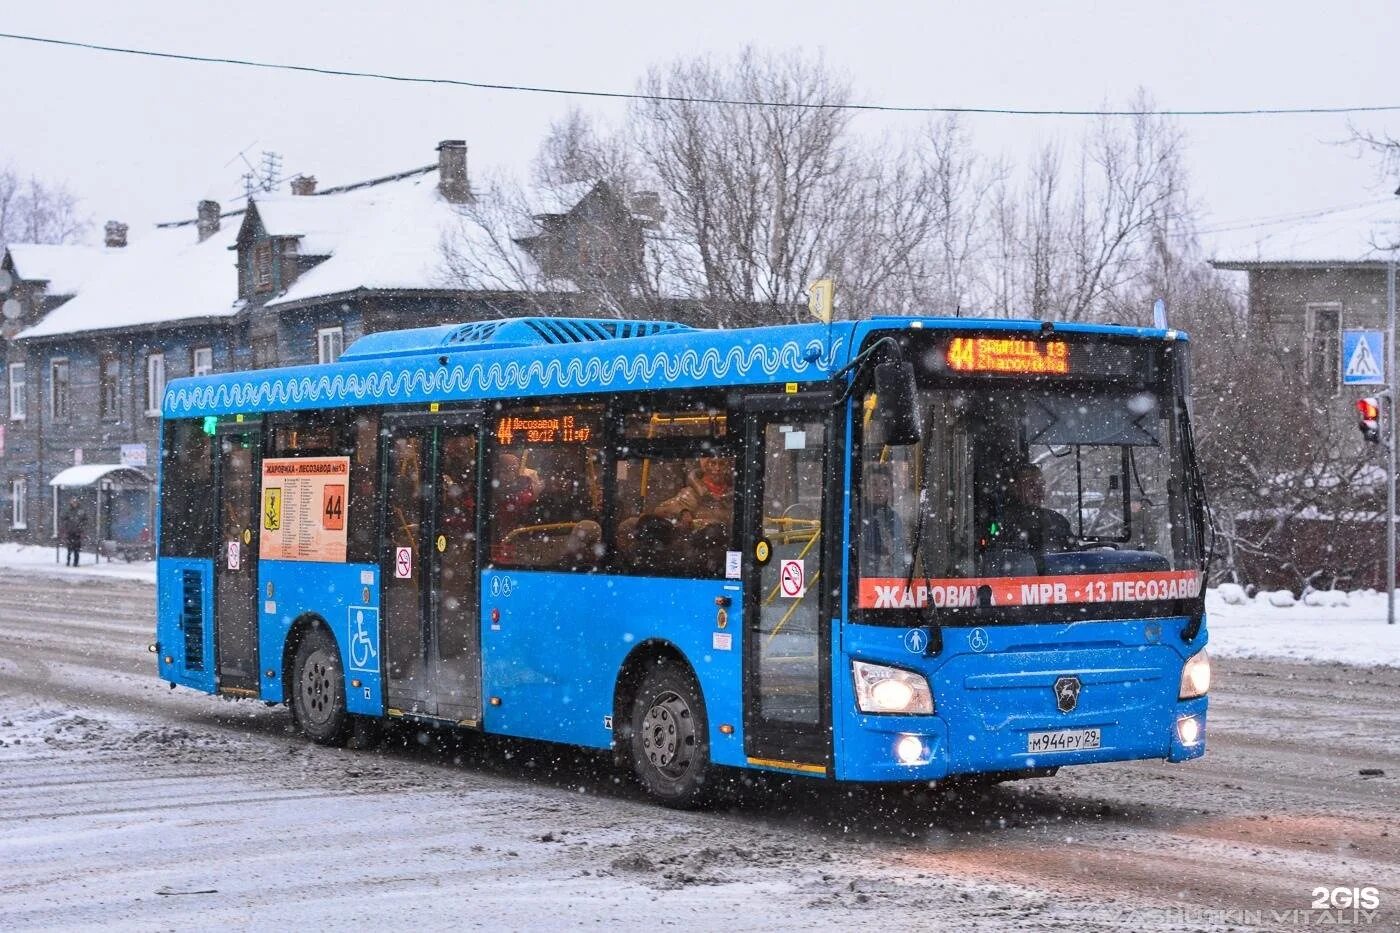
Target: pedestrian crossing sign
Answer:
[[1363, 358]]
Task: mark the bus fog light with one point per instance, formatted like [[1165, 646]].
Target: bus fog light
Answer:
[[909, 749], [1195, 676], [1188, 729], [881, 689]]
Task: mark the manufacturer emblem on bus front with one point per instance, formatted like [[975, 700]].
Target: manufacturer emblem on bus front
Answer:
[[1067, 693]]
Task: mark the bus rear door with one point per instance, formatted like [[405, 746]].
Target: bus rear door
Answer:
[[429, 570], [238, 468], [787, 682]]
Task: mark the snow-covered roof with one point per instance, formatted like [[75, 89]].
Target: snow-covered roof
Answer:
[[165, 275], [388, 236], [1365, 233], [89, 473], [319, 222], [558, 199], [66, 268]]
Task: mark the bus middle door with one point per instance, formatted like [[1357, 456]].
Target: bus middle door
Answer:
[[787, 681], [432, 635]]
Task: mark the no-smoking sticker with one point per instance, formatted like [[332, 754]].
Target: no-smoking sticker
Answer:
[[403, 562], [792, 579]]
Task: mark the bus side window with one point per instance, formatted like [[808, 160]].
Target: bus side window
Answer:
[[187, 473], [544, 492], [674, 489]]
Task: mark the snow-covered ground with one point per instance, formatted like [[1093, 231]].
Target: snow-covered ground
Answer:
[[36, 558], [1347, 628]]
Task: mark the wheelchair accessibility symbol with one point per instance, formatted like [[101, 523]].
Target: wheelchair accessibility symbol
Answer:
[[364, 639], [977, 640]]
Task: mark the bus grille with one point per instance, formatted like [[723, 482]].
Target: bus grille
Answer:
[[192, 619]]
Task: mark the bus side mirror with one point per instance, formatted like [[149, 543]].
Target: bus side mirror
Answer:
[[898, 408]]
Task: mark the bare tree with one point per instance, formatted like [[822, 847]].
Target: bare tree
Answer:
[[961, 184], [753, 189], [498, 250], [35, 211], [1085, 241], [577, 150]]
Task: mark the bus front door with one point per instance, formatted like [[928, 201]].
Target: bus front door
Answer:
[[429, 572], [787, 721], [238, 468]]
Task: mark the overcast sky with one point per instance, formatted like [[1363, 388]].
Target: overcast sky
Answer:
[[142, 140]]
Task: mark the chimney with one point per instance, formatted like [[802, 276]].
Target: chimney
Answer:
[[648, 204], [303, 185], [452, 171], [208, 223], [115, 234]]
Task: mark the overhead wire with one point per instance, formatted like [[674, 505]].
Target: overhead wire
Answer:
[[678, 98]]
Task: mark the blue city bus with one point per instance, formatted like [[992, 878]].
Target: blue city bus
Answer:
[[888, 550]]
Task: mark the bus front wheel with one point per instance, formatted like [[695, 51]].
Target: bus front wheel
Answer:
[[318, 685], [670, 741]]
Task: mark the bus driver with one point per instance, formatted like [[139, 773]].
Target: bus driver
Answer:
[[1026, 523]]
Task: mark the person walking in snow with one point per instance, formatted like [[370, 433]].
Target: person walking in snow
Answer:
[[72, 526]]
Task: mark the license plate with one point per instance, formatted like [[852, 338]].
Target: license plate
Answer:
[[1062, 740]]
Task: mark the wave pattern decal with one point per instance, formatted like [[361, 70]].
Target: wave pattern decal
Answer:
[[711, 365]]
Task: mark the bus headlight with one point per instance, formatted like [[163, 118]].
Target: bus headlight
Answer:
[[1195, 676], [881, 689]]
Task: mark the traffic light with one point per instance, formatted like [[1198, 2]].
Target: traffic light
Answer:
[[1369, 410]]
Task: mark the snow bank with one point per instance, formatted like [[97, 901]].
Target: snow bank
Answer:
[[1328, 626]]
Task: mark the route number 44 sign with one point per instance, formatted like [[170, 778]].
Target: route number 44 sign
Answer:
[[304, 507]]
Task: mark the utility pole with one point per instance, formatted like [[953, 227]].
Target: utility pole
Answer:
[[1390, 441]]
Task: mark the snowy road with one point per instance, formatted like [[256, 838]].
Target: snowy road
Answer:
[[125, 805]]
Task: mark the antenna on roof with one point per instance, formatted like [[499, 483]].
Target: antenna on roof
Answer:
[[271, 170]]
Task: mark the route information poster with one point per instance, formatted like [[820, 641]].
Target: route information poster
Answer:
[[303, 508]]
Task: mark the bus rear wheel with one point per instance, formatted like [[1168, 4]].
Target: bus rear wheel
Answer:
[[670, 741], [318, 690]]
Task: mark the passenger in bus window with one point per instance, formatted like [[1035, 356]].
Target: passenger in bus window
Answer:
[[708, 494], [562, 498], [883, 544], [1026, 523], [515, 491]]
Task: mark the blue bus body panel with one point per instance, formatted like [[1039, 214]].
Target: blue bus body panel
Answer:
[[455, 371], [185, 622], [336, 594], [553, 656], [993, 686], [796, 353]]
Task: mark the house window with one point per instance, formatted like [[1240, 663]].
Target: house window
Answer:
[[155, 382], [108, 396], [329, 341], [59, 397], [262, 266], [202, 361], [16, 391], [19, 515], [1323, 348], [264, 352]]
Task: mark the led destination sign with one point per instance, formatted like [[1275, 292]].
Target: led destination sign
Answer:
[[543, 429], [1008, 355]]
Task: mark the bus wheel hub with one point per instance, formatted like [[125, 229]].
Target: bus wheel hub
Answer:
[[665, 730]]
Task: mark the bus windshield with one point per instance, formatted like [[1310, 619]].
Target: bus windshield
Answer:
[[1030, 494]]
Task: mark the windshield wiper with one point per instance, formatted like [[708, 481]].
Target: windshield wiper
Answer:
[[928, 612], [1203, 524]]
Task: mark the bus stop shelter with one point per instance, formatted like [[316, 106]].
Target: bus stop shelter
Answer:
[[120, 500]]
